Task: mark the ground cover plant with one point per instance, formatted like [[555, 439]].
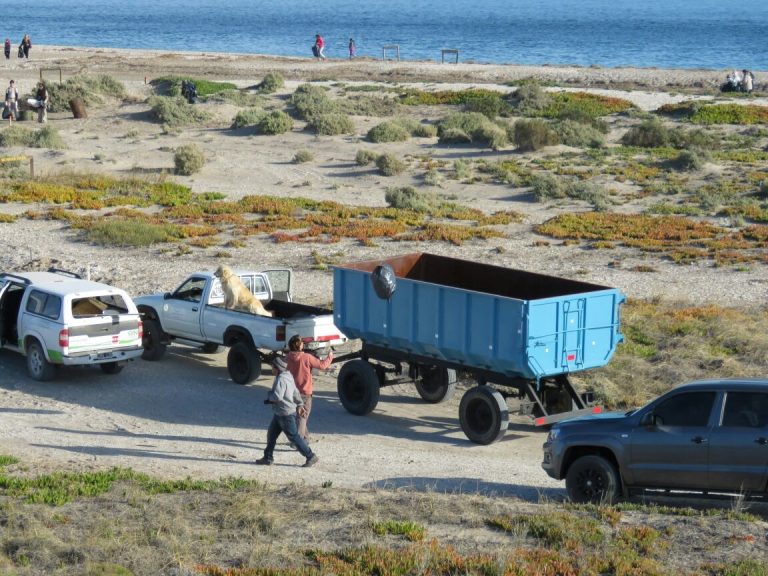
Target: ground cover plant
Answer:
[[171, 85], [175, 111], [120, 522], [90, 89], [699, 113]]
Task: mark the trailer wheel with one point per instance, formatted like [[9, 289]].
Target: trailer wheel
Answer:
[[593, 479], [358, 387], [152, 341], [483, 414], [436, 384], [243, 363]]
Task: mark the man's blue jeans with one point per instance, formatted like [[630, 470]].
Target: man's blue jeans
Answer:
[[287, 425]]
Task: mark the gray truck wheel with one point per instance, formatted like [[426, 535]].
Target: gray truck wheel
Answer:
[[37, 364], [111, 367], [154, 349], [593, 479], [209, 348], [243, 363], [358, 387], [483, 415], [436, 384]]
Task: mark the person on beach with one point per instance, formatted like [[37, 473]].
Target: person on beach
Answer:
[[352, 48], [300, 365], [7, 48], [26, 45], [42, 102], [286, 404], [11, 102], [747, 81], [319, 46]]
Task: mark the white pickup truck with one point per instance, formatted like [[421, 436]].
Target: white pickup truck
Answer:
[[57, 318], [194, 314]]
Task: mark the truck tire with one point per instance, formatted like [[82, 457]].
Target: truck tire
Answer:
[[38, 366], [243, 363], [154, 348], [483, 415], [436, 384], [111, 367], [593, 479], [358, 387], [209, 348]]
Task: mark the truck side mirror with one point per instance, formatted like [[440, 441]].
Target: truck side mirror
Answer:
[[166, 296], [648, 420]]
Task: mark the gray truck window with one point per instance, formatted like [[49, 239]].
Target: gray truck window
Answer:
[[191, 290], [688, 409], [745, 410], [44, 304]]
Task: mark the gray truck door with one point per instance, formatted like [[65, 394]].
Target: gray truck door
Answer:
[[738, 448], [181, 310], [281, 280]]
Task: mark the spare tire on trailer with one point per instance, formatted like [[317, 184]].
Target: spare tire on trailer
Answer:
[[358, 387], [483, 414], [243, 363], [436, 384]]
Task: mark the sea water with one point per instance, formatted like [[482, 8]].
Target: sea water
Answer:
[[663, 33]]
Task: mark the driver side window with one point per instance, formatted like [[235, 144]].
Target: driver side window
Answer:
[[690, 409], [191, 290]]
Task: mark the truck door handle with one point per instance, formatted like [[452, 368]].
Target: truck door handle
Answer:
[[762, 440], [699, 440], [194, 309]]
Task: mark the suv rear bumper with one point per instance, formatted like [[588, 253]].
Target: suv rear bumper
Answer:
[[101, 357]]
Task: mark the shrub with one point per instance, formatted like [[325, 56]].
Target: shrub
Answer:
[[649, 134], [369, 106], [689, 161], [533, 135], [311, 101], [276, 122], [388, 132], [529, 98], [389, 165], [248, 117], [89, 89], [472, 127], [425, 131], [463, 169], [171, 85], [332, 124], [302, 156], [188, 159], [433, 178], [589, 192], [573, 133], [47, 137], [409, 124], [407, 198], [698, 139], [547, 186], [489, 105], [272, 83], [237, 98], [129, 232], [585, 104], [365, 157], [454, 136], [176, 111], [493, 136]]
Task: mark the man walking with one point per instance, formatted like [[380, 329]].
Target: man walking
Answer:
[[286, 403], [300, 365]]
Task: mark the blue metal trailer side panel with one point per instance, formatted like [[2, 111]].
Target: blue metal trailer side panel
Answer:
[[525, 337]]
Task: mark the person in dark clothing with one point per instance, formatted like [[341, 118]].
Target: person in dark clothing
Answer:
[[42, 102], [26, 45], [7, 48]]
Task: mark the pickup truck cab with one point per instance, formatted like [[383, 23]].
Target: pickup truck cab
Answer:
[[57, 318], [194, 314]]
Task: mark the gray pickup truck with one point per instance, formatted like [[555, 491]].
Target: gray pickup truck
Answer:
[[708, 436], [194, 314]]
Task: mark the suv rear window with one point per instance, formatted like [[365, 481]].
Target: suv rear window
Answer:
[[47, 305], [98, 305]]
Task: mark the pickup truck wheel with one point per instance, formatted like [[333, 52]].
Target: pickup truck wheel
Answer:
[[154, 349], [209, 348], [358, 387], [483, 415], [37, 364], [593, 479], [243, 363], [436, 384], [111, 367]]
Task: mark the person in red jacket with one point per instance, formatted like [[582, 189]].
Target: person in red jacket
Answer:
[[300, 366], [320, 45]]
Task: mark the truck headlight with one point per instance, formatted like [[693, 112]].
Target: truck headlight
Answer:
[[553, 434]]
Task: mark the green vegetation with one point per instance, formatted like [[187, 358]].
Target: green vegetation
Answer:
[[18, 136], [365, 157], [188, 159], [414, 97], [411, 530], [388, 132], [171, 86], [533, 135], [471, 127], [698, 113], [570, 104], [275, 122], [302, 156], [578, 134], [90, 89], [390, 165], [176, 112], [332, 124], [248, 117], [271, 83], [310, 101], [407, 198]]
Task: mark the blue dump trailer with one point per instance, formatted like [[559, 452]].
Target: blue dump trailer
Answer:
[[423, 317]]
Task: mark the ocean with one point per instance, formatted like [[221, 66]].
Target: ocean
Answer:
[[648, 33]]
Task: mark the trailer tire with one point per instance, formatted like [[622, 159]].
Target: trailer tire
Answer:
[[358, 387], [111, 367], [37, 364], [243, 363], [436, 384], [483, 415], [152, 341], [209, 348], [593, 479]]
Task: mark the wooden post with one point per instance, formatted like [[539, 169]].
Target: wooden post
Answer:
[[31, 167]]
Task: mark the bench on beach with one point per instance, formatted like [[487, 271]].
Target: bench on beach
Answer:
[[395, 47], [453, 51]]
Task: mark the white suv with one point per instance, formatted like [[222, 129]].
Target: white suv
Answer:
[[57, 318]]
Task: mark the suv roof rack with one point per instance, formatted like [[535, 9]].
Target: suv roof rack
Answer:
[[64, 273]]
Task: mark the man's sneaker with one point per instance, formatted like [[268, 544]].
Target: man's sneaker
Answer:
[[311, 461], [264, 462]]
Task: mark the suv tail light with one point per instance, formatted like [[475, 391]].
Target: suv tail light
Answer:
[[141, 330], [280, 333], [64, 338]]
